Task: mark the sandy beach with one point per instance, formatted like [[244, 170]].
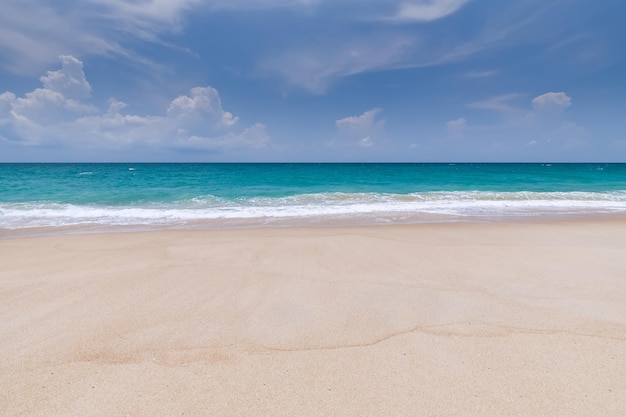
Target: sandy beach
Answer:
[[468, 319]]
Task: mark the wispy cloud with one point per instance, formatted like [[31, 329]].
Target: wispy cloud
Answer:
[[542, 118], [316, 69], [427, 10], [34, 32], [501, 104], [482, 74]]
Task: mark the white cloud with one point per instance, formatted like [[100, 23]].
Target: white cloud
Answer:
[[46, 116], [548, 110], [457, 126], [540, 124], [481, 74], [361, 130], [33, 33], [204, 102], [147, 18], [545, 109], [315, 66], [160, 10], [366, 142], [58, 100], [499, 103], [254, 137], [172, 10], [111, 28], [6, 103], [365, 122], [505, 105], [69, 81], [544, 103], [46, 107], [315, 69], [426, 10], [551, 101]]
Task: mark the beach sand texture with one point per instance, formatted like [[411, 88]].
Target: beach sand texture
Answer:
[[500, 319]]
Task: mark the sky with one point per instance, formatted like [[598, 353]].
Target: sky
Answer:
[[312, 81]]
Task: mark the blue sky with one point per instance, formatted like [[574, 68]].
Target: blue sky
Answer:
[[313, 80]]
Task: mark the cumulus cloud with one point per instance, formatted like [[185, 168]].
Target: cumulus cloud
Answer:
[[6, 103], [55, 114], [204, 102], [426, 10], [551, 101], [69, 81], [58, 100], [361, 130]]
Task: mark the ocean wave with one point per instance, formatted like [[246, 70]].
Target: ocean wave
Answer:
[[366, 207]]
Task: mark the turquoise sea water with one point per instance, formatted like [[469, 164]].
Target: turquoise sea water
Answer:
[[236, 195]]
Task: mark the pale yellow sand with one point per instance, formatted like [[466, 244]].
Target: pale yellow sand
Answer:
[[427, 320]]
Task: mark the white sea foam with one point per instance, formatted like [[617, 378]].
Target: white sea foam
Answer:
[[357, 207]]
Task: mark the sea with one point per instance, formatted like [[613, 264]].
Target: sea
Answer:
[[74, 197]]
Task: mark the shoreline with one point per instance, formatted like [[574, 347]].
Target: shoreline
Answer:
[[304, 223], [481, 319]]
